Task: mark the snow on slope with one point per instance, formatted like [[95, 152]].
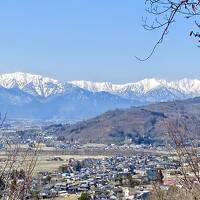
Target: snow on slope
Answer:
[[185, 86], [32, 84], [43, 86], [139, 87]]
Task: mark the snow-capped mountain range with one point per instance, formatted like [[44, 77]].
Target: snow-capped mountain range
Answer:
[[33, 84], [27, 95], [185, 86], [44, 86]]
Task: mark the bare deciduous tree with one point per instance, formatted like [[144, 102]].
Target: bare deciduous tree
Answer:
[[164, 14], [184, 141], [16, 169]]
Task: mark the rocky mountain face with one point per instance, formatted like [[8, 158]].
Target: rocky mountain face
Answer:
[[34, 96], [148, 89], [35, 85]]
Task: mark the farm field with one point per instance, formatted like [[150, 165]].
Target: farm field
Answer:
[[46, 161], [67, 197]]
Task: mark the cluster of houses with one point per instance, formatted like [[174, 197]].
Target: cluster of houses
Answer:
[[119, 177]]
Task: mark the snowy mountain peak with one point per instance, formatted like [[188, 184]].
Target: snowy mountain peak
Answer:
[[33, 84], [139, 87], [26, 77], [96, 86], [185, 86], [38, 85], [149, 84], [48, 98]]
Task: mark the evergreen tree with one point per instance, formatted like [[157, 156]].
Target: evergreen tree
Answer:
[[84, 196]]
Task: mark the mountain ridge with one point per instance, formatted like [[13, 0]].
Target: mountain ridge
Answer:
[[143, 125], [85, 99], [44, 86], [185, 86]]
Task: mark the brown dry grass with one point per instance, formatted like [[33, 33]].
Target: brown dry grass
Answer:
[[67, 197], [45, 163]]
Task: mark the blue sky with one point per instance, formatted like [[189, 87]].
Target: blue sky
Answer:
[[91, 40]]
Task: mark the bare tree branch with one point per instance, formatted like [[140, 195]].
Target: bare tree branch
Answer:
[[165, 12]]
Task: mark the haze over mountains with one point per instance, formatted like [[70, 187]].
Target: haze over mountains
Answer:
[[25, 95], [144, 125]]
